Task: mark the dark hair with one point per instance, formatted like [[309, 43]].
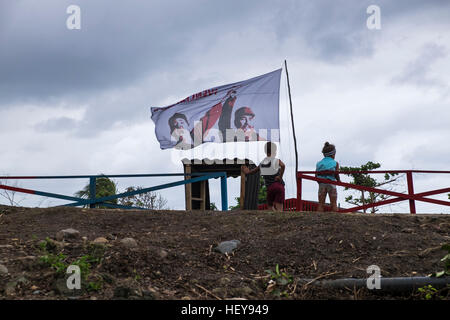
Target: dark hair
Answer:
[[175, 116], [270, 148], [239, 113], [328, 148]]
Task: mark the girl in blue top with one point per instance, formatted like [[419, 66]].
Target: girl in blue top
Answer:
[[330, 170]]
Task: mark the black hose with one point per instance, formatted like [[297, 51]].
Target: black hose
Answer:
[[398, 284]]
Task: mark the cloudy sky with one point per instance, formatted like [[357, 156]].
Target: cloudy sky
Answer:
[[78, 101]]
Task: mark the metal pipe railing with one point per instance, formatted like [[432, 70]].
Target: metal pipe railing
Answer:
[[410, 195], [92, 201]]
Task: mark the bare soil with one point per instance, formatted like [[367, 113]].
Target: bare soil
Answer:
[[175, 257]]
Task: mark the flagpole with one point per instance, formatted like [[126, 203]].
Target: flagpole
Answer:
[[292, 121]]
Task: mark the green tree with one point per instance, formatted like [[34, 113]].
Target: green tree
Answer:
[[262, 192], [213, 206], [104, 187], [364, 179]]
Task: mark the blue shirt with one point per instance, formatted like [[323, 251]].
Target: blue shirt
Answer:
[[326, 163]]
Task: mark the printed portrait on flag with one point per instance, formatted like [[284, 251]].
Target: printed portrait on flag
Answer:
[[241, 111]]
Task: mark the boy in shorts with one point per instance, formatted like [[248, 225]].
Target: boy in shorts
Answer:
[[330, 170]]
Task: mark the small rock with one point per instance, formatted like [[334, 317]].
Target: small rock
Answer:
[[227, 247], [224, 281], [60, 287], [51, 245], [244, 291], [148, 295], [163, 254], [36, 292], [111, 237], [22, 280], [122, 292], [100, 240], [3, 270], [126, 289], [219, 291], [129, 243], [10, 288], [68, 234]]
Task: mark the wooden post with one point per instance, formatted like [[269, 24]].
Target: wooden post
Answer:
[[299, 182], [203, 195], [292, 119], [242, 196], [188, 187]]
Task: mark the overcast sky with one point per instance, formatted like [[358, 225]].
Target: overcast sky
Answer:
[[78, 101]]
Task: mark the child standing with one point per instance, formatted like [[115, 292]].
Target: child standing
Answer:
[[330, 170], [272, 170]]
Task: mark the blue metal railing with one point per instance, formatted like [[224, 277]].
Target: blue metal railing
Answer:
[[93, 201]]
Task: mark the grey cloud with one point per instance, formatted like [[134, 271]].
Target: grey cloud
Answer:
[[417, 72], [336, 31], [122, 44], [56, 125], [118, 43]]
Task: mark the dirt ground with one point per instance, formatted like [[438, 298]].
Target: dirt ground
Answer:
[[175, 257]]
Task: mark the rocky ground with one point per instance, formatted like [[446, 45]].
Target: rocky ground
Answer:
[[176, 254]]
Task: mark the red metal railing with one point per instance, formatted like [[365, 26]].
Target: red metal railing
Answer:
[[291, 205], [409, 196]]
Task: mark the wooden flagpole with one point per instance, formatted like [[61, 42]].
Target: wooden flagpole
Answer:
[[292, 121]]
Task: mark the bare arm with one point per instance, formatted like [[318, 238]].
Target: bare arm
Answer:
[[282, 168], [337, 172], [246, 170]]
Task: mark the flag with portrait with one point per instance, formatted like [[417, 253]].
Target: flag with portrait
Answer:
[[243, 111]]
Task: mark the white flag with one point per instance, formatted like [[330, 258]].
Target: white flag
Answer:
[[242, 111]]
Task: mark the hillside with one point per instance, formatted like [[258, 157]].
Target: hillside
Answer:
[[174, 256]]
